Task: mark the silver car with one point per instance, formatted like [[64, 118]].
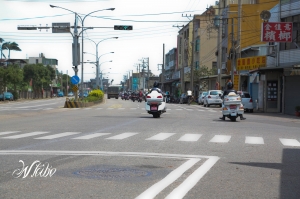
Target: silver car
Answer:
[[201, 97], [213, 98]]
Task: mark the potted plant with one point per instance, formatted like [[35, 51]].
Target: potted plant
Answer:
[[297, 109]]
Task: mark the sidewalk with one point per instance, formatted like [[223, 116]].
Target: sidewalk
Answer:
[[279, 115]]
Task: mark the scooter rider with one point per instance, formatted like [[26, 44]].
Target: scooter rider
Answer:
[[226, 92]]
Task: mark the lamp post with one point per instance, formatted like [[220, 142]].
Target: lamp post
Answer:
[[98, 58], [101, 74], [82, 29]]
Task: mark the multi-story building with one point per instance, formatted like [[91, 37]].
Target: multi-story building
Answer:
[[196, 46]]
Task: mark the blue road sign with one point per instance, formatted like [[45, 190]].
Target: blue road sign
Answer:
[[75, 79]]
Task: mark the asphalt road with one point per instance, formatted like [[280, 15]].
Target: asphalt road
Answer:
[[117, 150]]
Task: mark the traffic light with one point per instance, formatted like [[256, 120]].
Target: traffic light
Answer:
[[122, 27]]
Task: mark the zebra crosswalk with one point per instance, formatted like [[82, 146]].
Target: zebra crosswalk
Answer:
[[178, 137]]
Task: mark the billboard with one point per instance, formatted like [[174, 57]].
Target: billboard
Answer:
[[251, 63], [276, 32]]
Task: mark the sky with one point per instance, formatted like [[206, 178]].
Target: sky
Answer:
[[155, 23]]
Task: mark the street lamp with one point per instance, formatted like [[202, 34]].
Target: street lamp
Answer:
[[98, 58], [101, 82], [82, 29]]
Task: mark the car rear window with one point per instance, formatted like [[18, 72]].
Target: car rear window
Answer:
[[246, 95], [214, 93]]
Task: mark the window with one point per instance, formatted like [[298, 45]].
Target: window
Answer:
[[197, 46], [197, 65]]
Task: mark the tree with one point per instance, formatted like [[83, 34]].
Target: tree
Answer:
[[40, 75], [1, 53], [10, 46], [14, 75]]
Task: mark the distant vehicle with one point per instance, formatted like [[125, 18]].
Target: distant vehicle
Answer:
[[246, 101], [184, 98], [70, 94], [113, 91], [85, 94], [7, 96], [201, 97], [213, 98], [60, 94]]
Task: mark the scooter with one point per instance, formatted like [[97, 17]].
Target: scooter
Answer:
[[155, 103], [140, 99], [232, 106]]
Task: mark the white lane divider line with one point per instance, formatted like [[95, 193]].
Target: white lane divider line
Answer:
[[220, 138], [289, 142], [254, 140], [25, 135], [179, 109], [193, 179], [8, 132], [121, 136], [190, 137], [87, 108], [49, 137], [201, 110], [94, 135], [155, 189], [161, 136], [37, 105], [47, 109]]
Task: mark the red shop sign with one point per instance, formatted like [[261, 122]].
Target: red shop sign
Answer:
[[277, 32]]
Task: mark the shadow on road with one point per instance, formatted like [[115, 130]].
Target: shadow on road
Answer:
[[290, 172]]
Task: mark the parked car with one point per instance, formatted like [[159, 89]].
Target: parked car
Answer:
[[70, 94], [183, 98], [246, 101], [201, 97], [60, 94], [7, 96], [213, 98]]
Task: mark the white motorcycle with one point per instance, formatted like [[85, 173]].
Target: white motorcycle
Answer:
[[155, 103], [232, 106]]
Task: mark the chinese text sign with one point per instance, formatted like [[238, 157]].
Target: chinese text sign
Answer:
[[277, 31]]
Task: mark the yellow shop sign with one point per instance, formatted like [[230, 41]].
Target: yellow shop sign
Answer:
[[251, 63]]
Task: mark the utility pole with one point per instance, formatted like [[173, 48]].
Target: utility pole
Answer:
[[67, 84], [219, 43], [76, 56], [192, 64], [163, 68], [233, 51]]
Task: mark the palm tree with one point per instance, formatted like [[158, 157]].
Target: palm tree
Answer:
[[1, 53], [10, 46]]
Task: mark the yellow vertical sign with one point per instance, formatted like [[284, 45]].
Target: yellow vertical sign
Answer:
[[236, 81]]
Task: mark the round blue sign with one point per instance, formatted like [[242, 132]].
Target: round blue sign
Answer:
[[75, 79]]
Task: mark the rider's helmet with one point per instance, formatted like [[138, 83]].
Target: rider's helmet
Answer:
[[156, 84], [229, 85]]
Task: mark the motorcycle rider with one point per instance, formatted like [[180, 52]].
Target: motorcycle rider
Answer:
[[189, 94], [226, 92]]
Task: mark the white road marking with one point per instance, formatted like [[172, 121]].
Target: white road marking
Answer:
[[48, 108], [36, 105], [99, 108], [8, 132], [254, 140], [220, 138], [25, 135], [193, 179], [201, 110], [49, 137], [289, 142], [190, 137], [87, 108], [161, 136], [86, 137], [121, 136], [179, 109], [212, 111], [169, 179]]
